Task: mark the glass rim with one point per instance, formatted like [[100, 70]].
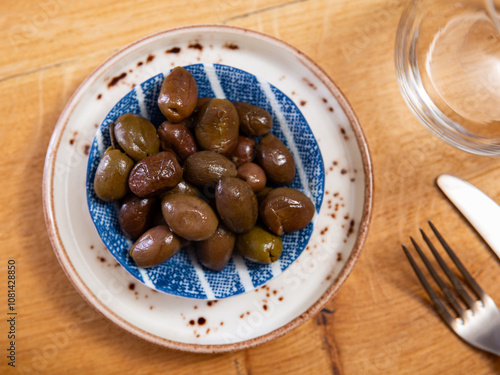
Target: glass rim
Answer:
[[429, 115]]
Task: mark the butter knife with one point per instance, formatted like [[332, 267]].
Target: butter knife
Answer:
[[482, 212]]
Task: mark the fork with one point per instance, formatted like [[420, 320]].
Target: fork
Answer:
[[477, 319]]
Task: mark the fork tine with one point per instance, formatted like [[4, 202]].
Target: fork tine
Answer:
[[455, 282], [475, 287], [430, 292], [451, 299]]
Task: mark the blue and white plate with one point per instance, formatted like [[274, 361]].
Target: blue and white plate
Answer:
[[246, 319], [183, 275]]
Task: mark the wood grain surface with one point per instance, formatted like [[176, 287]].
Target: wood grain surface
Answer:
[[380, 322]]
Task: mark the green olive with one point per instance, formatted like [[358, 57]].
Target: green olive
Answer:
[[254, 121], [155, 174], [286, 210], [215, 251], [207, 167], [110, 181], [136, 136], [217, 127], [236, 204], [178, 95], [276, 160], [189, 217], [155, 246], [136, 215], [258, 245]]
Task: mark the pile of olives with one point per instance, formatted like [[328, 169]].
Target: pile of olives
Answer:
[[202, 178]]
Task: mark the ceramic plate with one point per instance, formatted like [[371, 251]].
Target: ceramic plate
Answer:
[[243, 320], [183, 275]]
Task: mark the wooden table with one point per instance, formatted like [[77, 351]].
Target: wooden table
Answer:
[[381, 323]]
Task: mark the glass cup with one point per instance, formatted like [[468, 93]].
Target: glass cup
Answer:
[[447, 57]]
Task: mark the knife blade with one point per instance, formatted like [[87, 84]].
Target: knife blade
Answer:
[[482, 212]]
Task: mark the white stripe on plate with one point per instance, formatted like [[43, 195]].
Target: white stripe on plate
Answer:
[[287, 134], [276, 268], [142, 102], [243, 273], [315, 218], [145, 278], [214, 81], [201, 275], [100, 144]]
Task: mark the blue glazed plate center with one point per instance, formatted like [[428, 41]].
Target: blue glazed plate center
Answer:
[[182, 275]]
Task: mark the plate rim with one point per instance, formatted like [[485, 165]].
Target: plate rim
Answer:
[[88, 295]]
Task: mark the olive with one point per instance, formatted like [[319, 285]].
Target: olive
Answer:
[[136, 214], [189, 217], [158, 218], [262, 194], [155, 174], [276, 160], [110, 181], [253, 175], [155, 246], [201, 102], [217, 126], [190, 122], [236, 204], [136, 136], [215, 251], [286, 210], [114, 144], [244, 151], [184, 187], [178, 95], [178, 138], [207, 167], [254, 121], [258, 245]]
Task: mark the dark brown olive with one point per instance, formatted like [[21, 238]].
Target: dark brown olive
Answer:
[[158, 217], [155, 246], [258, 245], [184, 187], [207, 167], [262, 194], [215, 251], [178, 138], [254, 121], [155, 174], [276, 160], [236, 204], [110, 181], [286, 210], [136, 136], [178, 95], [201, 102], [253, 175], [217, 126], [136, 215], [114, 144], [244, 151], [189, 217]]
